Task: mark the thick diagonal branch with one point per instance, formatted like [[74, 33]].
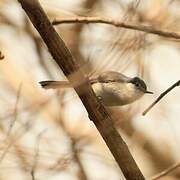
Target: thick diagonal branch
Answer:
[[95, 109]]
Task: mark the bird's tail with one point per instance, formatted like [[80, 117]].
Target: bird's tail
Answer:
[[55, 84]]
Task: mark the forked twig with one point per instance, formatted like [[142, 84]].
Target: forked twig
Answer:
[[160, 97]]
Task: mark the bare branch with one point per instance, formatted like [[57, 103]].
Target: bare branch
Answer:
[[166, 171], [160, 97], [97, 112], [36, 155], [82, 174], [139, 27], [15, 110]]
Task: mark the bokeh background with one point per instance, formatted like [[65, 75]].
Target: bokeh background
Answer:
[[47, 134]]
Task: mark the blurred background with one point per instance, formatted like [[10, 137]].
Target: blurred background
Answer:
[[47, 134]]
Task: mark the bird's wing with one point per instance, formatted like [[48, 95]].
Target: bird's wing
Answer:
[[110, 76]]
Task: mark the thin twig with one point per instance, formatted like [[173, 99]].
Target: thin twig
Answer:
[[15, 110], [36, 155], [139, 27], [81, 174], [166, 171], [160, 97]]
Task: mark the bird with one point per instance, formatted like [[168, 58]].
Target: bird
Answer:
[[111, 87]]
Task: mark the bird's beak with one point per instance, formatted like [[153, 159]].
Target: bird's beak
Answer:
[[148, 92]]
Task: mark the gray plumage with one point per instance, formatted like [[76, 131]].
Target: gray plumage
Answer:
[[113, 88], [110, 76]]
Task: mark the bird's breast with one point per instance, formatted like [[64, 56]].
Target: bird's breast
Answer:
[[116, 94]]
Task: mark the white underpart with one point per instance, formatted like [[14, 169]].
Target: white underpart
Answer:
[[116, 94]]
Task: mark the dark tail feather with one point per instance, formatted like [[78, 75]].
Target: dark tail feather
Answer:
[[55, 84]]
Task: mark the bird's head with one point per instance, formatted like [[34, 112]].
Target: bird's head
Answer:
[[139, 85]]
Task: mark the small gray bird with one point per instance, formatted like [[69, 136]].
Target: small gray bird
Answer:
[[113, 88]]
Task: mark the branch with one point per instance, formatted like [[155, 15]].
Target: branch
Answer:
[[139, 27], [73, 143], [165, 172], [160, 97], [97, 112], [34, 166], [15, 113], [82, 173]]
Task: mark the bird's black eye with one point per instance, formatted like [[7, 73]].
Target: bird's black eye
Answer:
[[137, 84]]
